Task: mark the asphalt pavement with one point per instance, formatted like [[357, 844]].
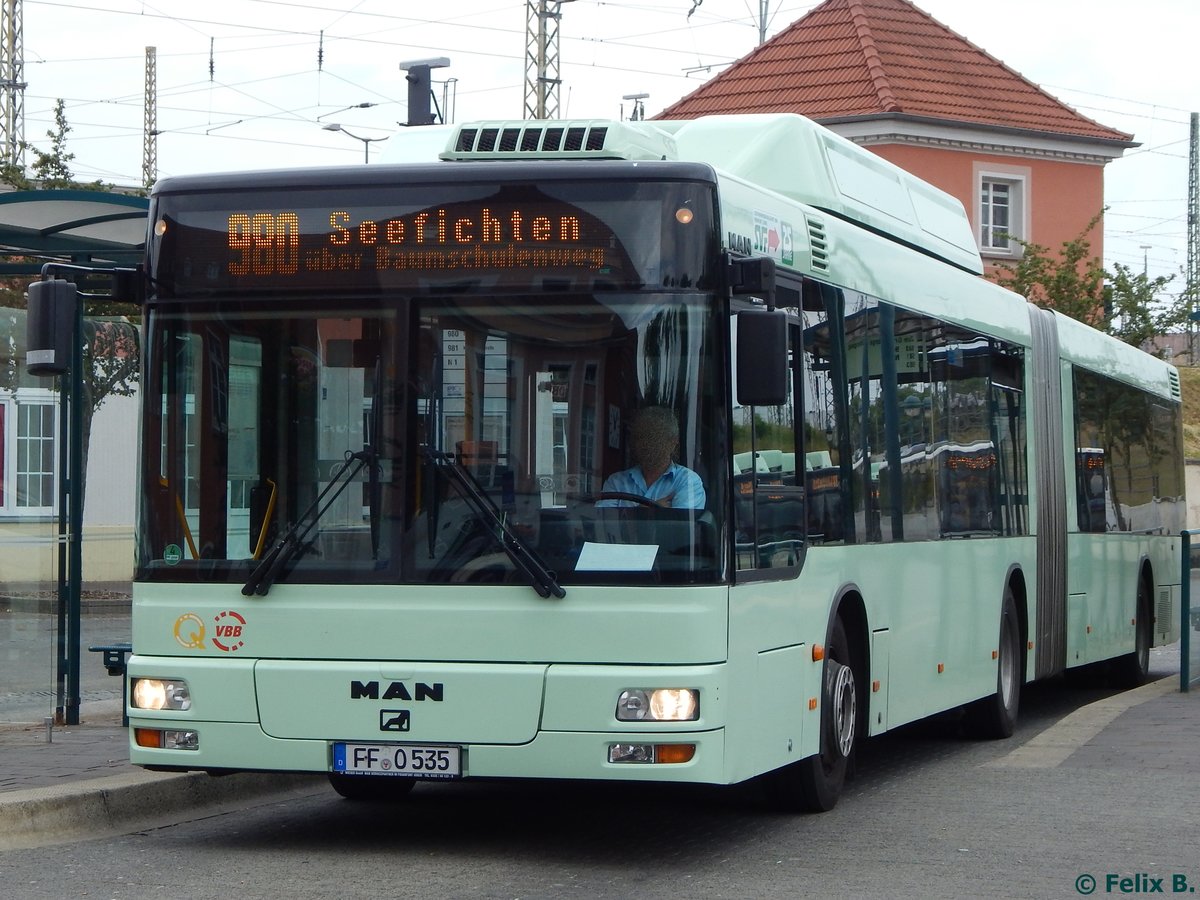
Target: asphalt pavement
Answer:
[[72, 782]]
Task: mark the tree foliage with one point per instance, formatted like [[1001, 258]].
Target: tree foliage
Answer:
[[1070, 281], [51, 168], [1137, 312], [1130, 306]]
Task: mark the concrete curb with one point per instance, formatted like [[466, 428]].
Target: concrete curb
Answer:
[[130, 802], [1055, 744]]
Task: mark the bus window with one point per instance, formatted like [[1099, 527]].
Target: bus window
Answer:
[[768, 476], [1125, 436], [914, 428], [533, 400]]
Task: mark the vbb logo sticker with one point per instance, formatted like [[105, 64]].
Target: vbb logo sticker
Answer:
[[231, 629]]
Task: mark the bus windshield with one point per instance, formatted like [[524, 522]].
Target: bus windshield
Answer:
[[408, 438]]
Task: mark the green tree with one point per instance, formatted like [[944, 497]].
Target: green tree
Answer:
[[1138, 313], [51, 168], [1127, 305], [1070, 281]]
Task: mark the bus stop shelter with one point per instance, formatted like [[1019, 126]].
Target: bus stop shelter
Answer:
[[40, 567]]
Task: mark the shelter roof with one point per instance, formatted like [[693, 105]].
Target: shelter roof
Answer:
[[73, 224], [864, 59]]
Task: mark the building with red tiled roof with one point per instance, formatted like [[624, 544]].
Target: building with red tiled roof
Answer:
[[890, 77]]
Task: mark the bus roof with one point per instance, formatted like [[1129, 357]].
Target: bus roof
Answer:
[[783, 153]]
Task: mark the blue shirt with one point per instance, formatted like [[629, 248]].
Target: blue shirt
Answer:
[[679, 482]]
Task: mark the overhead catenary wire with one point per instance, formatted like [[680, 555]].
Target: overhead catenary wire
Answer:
[[641, 36]]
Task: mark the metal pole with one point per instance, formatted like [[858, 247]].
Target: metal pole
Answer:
[[1185, 615], [70, 530], [75, 540], [64, 531]]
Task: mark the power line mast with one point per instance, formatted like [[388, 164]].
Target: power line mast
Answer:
[[150, 121], [541, 58], [12, 80]]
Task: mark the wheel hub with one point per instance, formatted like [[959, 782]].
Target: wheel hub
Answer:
[[843, 706]]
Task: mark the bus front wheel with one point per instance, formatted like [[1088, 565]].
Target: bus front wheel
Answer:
[[814, 784]]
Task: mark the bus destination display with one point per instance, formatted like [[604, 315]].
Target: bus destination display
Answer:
[[513, 241], [268, 244]]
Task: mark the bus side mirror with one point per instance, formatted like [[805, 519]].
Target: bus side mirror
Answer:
[[50, 327], [762, 358]]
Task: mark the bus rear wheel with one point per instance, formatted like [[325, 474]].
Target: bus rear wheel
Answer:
[[815, 784], [995, 716], [371, 788]]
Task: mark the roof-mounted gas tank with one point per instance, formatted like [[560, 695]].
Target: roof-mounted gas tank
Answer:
[[782, 153]]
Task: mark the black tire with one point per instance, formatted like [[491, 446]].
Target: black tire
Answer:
[[1132, 669], [995, 716], [371, 788], [815, 784]]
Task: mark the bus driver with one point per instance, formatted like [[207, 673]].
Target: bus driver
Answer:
[[653, 439]]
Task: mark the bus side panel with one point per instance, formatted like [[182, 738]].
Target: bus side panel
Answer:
[[1103, 574], [943, 631]]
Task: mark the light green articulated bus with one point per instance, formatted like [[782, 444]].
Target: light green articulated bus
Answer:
[[659, 451]]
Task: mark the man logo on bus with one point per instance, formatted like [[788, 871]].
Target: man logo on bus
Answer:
[[189, 631], [229, 633], [394, 720]]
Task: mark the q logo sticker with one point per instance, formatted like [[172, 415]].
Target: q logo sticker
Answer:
[[189, 631], [230, 626]]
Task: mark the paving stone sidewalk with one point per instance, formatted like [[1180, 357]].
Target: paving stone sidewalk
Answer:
[[96, 748]]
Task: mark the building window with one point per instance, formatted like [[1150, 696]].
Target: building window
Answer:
[[1001, 215], [28, 447]]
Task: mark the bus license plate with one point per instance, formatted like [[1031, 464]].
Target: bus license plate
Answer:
[[397, 759]]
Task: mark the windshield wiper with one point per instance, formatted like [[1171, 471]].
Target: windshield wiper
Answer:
[[295, 538], [544, 581]]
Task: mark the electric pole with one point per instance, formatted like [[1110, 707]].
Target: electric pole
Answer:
[[12, 81], [541, 58], [150, 121]]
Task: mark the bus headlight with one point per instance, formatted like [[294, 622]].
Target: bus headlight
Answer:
[[160, 693], [658, 705]]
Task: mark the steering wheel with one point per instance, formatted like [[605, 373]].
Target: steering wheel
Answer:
[[621, 495]]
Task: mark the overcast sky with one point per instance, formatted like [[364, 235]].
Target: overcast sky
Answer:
[[275, 81]]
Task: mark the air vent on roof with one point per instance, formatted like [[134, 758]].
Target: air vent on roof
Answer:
[[487, 138], [561, 140], [574, 139], [508, 139], [818, 243]]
